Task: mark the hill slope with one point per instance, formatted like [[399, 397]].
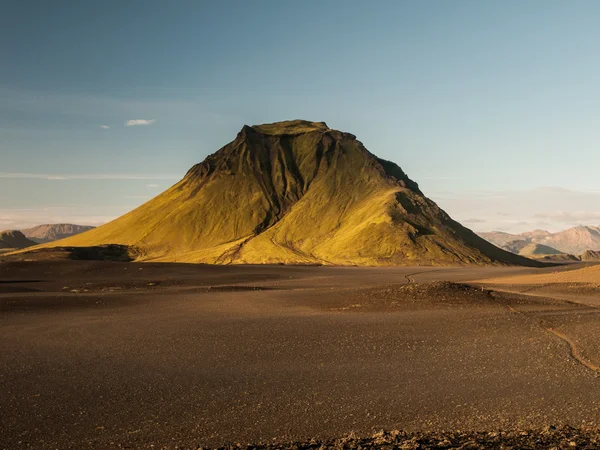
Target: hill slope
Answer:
[[500, 238], [54, 232], [13, 239], [536, 250], [591, 255], [295, 192]]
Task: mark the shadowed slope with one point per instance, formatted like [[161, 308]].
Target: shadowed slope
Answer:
[[14, 239], [535, 250], [295, 192]]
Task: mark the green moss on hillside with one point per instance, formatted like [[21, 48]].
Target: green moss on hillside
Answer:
[[295, 192]]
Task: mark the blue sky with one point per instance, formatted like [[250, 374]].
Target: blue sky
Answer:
[[492, 107]]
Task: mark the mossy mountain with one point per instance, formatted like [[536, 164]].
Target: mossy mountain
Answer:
[[295, 192]]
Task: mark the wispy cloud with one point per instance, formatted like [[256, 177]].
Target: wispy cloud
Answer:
[[152, 185], [104, 127], [139, 122], [89, 176]]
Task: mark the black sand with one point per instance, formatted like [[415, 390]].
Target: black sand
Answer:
[[102, 355]]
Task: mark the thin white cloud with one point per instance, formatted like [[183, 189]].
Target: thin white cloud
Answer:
[[104, 127], [139, 122], [152, 185], [101, 176]]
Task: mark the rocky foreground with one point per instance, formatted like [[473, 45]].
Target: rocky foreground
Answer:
[[548, 438], [99, 354]]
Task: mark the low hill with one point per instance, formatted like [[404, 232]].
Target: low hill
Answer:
[[537, 250], [295, 192], [54, 232], [13, 240], [515, 246]]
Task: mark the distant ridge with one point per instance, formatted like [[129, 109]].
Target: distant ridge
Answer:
[[574, 240], [54, 232], [591, 255], [533, 250], [295, 192], [13, 240]]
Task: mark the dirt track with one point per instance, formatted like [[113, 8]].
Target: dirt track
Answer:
[[103, 354]]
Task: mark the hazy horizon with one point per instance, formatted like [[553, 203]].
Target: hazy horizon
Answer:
[[490, 107]]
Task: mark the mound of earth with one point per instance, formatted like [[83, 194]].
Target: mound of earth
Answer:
[[438, 291], [408, 297], [13, 240], [296, 192], [54, 232]]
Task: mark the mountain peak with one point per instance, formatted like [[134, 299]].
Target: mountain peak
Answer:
[[289, 127], [295, 192]]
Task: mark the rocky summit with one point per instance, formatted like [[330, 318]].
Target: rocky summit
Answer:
[[295, 192]]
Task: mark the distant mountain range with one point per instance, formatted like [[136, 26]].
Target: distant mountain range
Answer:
[[573, 241], [53, 232], [11, 240]]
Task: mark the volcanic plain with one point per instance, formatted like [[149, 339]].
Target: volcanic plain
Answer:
[[113, 354]]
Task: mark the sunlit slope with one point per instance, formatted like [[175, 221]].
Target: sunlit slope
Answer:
[[536, 250], [295, 192]]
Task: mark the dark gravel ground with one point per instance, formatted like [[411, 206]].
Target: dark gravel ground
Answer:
[[548, 438], [125, 355]]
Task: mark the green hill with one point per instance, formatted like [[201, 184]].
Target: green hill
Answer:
[[295, 192]]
